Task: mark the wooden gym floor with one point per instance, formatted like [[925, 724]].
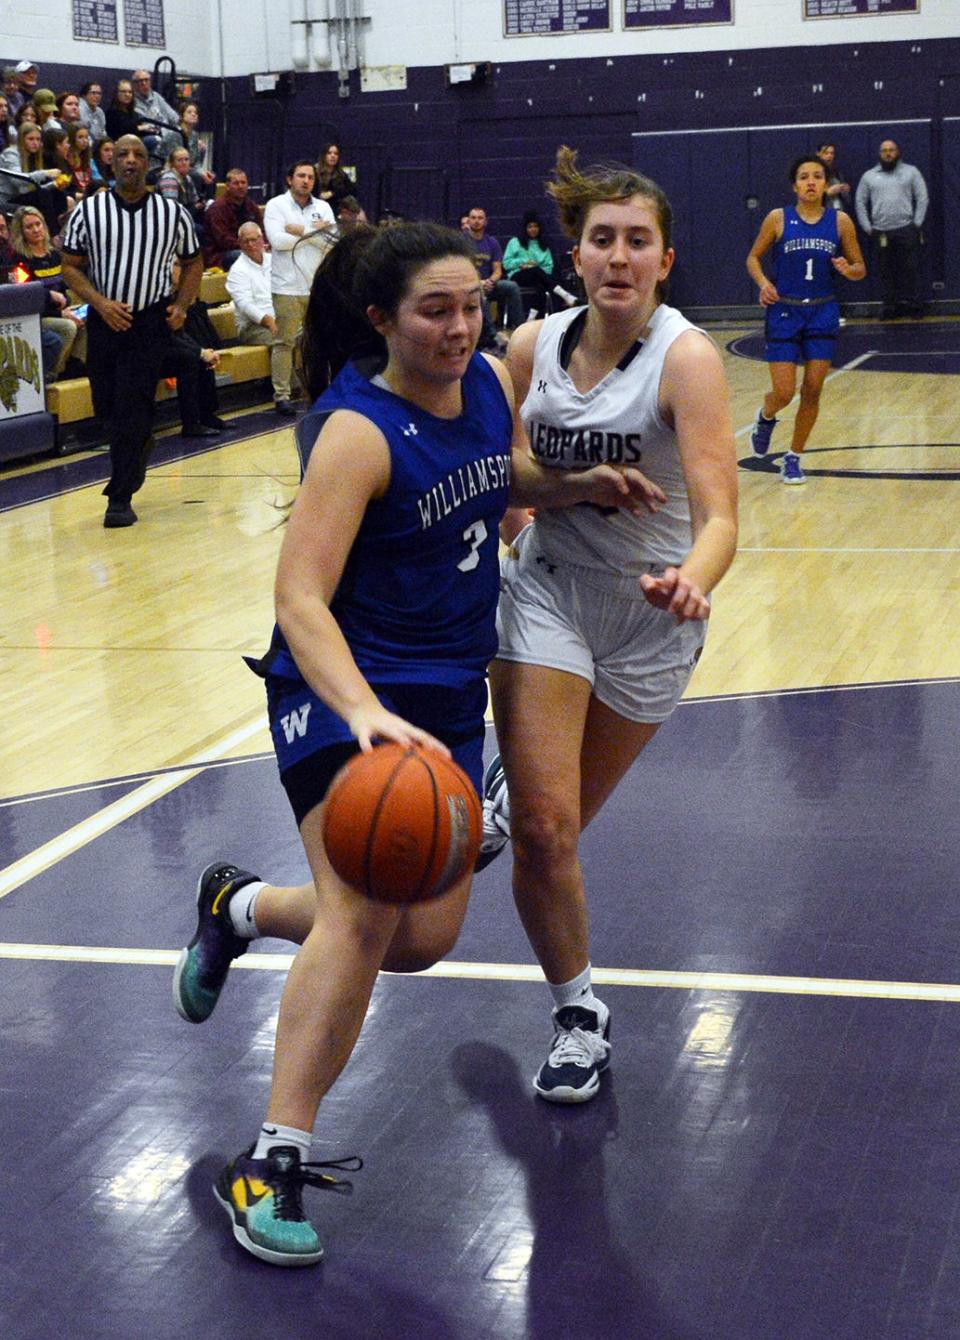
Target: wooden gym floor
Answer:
[[774, 916]]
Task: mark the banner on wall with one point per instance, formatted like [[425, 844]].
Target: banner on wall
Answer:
[[143, 23], [544, 18], [21, 367], [95, 20], [675, 13], [857, 9]]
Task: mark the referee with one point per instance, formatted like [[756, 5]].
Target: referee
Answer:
[[118, 250]]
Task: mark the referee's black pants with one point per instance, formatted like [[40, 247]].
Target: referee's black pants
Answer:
[[124, 368]]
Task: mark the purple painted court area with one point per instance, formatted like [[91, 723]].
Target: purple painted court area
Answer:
[[67, 474], [756, 1166], [893, 346]]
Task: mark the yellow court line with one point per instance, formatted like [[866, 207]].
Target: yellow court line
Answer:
[[65, 844], [857, 989]]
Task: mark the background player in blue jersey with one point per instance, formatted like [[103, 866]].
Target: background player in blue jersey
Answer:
[[811, 244], [386, 596]]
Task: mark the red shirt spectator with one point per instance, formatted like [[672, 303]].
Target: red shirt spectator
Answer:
[[221, 222]]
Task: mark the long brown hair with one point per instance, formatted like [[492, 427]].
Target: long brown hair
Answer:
[[30, 162]]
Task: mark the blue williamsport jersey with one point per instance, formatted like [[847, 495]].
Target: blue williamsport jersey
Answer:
[[417, 599], [803, 255]]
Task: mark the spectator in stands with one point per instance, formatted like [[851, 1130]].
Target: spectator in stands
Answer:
[[891, 204], [300, 229], [193, 358], [27, 74], [249, 287], [489, 263], [176, 183], [35, 259], [203, 178], [68, 109], [91, 113], [11, 88], [27, 115], [84, 169], [103, 160], [333, 183], [838, 189], [26, 158], [349, 213], [223, 220], [45, 105], [159, 122], [529, 263], [121, 116], [6, 249], [8, 132]]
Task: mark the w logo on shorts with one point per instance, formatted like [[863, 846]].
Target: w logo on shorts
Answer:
[[295, 723]]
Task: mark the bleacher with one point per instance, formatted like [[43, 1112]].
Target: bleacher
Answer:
[[70, 400]]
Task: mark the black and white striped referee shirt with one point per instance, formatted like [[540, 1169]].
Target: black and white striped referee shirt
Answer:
[[130, 249]]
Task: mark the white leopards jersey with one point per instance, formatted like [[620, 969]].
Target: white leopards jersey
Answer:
[[618, 421]]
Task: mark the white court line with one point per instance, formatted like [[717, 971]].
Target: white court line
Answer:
[[839, 549], [529, 972], [65, 844], [847, 367]]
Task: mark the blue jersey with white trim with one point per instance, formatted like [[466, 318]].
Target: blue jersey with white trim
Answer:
[[803, 256], [418, 595]]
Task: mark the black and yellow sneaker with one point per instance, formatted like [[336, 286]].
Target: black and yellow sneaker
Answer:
[[263, 1198], [202, 966]]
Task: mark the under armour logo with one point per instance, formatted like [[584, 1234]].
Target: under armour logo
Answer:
[[410, 430], [541, 385]]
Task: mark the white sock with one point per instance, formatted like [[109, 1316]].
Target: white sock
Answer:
[[272, 1136], [578, 991], [242, 910]]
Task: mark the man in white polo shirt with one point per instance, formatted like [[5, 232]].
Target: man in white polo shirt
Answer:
[[248, 284], [300, 229]]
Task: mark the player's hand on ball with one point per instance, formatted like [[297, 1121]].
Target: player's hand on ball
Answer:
[[372, 723], [676, 594]]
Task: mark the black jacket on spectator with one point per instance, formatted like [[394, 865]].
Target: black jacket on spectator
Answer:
[[196, 383]]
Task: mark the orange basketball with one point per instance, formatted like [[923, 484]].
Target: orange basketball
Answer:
[[402, 823]]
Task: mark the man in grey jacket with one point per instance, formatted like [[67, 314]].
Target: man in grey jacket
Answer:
[[891, 206]]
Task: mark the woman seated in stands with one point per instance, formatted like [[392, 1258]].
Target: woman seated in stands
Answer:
[[26, 115], [332, 182], [68, 109], [176, 183], [35, 259], [121, 117], [8, 133], [56, 154], [85, 171], [103, 161], [529, 263], [202, 177], [26, 158]]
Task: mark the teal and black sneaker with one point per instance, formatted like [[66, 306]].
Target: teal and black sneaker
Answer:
[[263, 1198], [202, 966]]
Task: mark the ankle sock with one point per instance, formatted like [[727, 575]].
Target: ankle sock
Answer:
[[272, 1136], [578, 991], [243, 910]]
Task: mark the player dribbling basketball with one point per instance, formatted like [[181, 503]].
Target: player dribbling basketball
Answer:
[[386, 594]]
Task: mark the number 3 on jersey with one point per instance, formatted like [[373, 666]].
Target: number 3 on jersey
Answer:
[[474, 536]]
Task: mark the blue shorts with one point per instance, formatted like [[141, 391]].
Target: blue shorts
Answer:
[[312, 742], [800, 332]]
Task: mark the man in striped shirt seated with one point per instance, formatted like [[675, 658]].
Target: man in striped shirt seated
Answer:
[[117, 254]]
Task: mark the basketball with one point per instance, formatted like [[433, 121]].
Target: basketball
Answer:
[[402, 823]]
